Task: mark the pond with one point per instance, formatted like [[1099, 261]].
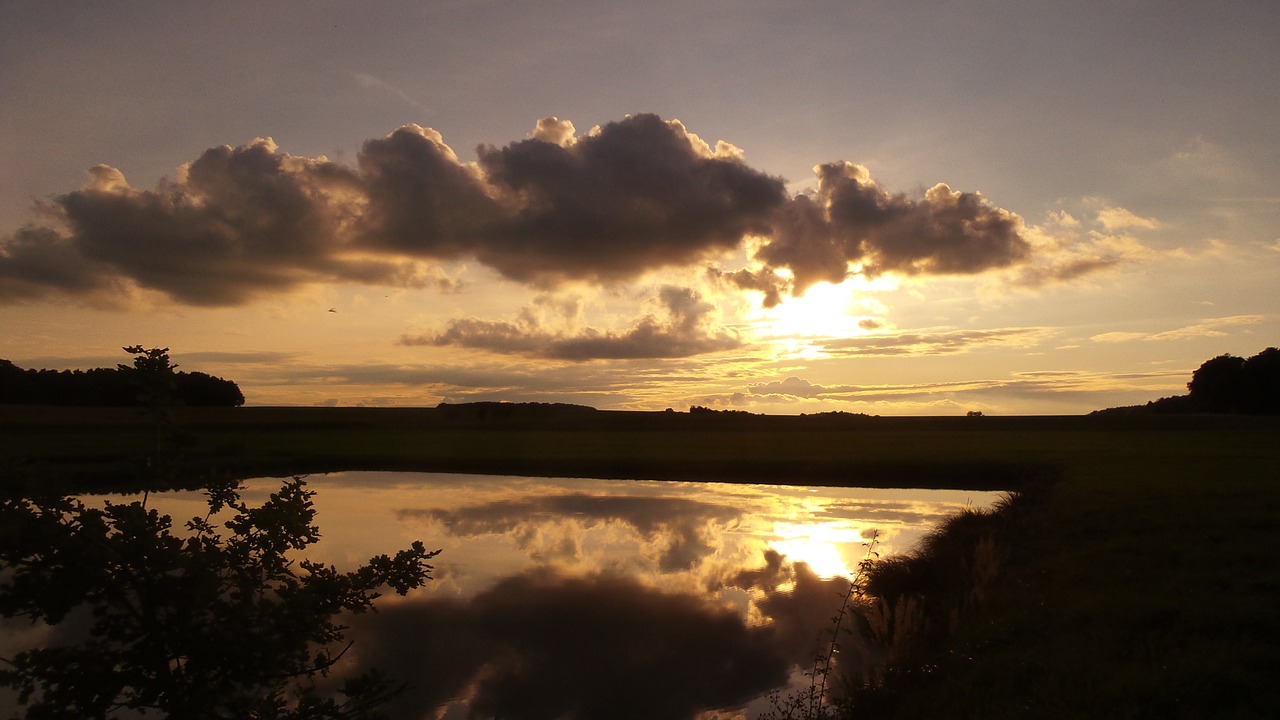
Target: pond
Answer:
[[560, 597]]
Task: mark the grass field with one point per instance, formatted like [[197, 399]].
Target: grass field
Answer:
[[1142, 580]]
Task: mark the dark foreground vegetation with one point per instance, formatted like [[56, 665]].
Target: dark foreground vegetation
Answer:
[[203, 624]]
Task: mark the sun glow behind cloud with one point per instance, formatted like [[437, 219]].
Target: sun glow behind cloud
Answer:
[[825, 310]]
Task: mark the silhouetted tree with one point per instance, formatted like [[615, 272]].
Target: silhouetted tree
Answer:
[[151, 381], [192, 626], [1216, 386], [1260, 379], [1236, 385], [198, 389], [154, 376]]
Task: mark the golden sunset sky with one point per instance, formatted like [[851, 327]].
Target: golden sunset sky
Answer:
[[783, 207]]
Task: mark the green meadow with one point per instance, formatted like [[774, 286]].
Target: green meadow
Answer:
[[1138, 576]]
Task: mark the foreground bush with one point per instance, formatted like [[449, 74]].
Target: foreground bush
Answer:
[[198, 625]]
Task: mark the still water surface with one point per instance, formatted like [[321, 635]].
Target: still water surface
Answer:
[[558, 597], [609, 598]]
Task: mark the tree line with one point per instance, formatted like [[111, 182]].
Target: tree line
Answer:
[[1232, 384], [1226, 384], [121, 386]]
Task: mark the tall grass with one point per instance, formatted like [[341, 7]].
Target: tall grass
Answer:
[[898, 614]]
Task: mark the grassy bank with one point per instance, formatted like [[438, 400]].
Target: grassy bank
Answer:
[[105, 444], [1139, 581]]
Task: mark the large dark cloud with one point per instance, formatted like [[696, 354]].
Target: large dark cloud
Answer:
[[37, 259], [627, 198], [237, 222], [638, 194], [421, 200], [543, 645], [851, 224]]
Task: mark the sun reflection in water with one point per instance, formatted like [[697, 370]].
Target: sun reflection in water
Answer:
[[821, 546]]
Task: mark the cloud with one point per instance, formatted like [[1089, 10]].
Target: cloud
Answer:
[[766, 282], [797, 602], [631, 196], [1063, 252], [36, 260], [683, 528], [684, 328], [851, 221], [236, 223], [1063, 270], [939, 343], [1047, 388], [239, 358], [420, 200], [625, 199], [373, 82], [1118, 218], [796, 387], [1212, 327], [541, 645]]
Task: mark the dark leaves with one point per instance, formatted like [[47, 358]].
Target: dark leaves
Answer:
[[193, 626]]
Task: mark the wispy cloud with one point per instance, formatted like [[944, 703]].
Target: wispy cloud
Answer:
[[935, 343], [1118, 218], [373, 82], [1044, 385], [1212, 327]]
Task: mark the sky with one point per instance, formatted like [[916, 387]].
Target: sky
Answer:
[[893, 208]]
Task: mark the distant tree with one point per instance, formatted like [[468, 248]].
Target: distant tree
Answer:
[[1216, 386], [1224, 384], [198, 389], [152, 381], [1260, 380], [192, 626], [14, 386]]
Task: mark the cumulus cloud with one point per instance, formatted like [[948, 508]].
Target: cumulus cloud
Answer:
[[609, 205], [420, 200], [683, 327], [236, 222], [633, 195], [851, 221], [36, 260], [794, 387]]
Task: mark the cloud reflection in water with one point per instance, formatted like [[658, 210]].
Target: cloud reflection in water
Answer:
[[573, 598]]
